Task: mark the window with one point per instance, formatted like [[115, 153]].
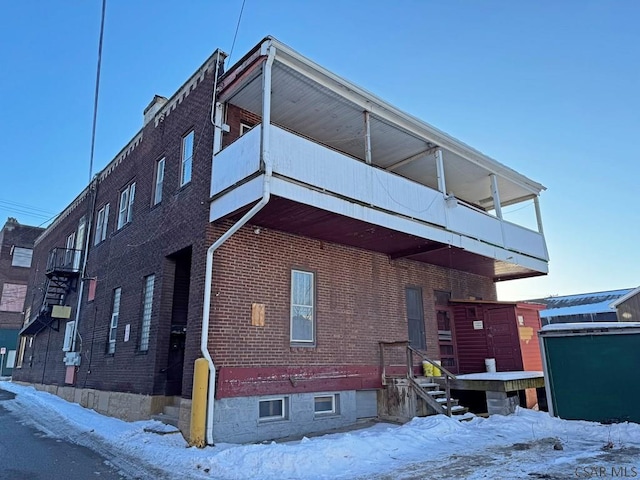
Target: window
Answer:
[[244, 128], [273, 409], [187, 159], [415, 318], [325, 404], [21, 257], [126, 205], [302, 314], [115, 313], [12, 299], [102, 223], [147, 304], [68, 336], [157, 187], [21, 348]]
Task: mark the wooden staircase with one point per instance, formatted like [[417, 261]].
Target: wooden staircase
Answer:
[[430, 397], [436, 399]]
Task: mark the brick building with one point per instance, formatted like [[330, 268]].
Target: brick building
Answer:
[[281, 232], [16, 249]]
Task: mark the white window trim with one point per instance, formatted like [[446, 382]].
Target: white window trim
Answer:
[[334, 403], [68, 336], [113, 326], [186, 160], [244, 128], [147, 310], [272, 418], [102, 225], [157, 189], [125, 206], [312, 306]]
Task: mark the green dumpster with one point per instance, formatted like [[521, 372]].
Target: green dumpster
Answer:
[[592, 370]]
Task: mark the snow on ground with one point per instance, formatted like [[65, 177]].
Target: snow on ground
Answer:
[[528, 444]]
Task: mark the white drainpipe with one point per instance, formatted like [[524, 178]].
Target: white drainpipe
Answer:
[[266, 195]]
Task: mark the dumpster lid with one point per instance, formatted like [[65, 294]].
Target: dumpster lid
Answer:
[[586, 326]]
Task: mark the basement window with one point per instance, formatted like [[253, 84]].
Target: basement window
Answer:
[[325, 405], [272, 409]]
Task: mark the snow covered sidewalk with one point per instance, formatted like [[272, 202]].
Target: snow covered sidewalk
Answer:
[[527, 444]]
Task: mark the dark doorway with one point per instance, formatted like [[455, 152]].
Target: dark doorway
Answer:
[[179, 315], [415, 318]]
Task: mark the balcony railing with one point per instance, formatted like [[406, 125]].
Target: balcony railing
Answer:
[[298, 161], [63, 260]]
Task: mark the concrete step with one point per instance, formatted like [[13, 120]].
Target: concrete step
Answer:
[[459, 410]]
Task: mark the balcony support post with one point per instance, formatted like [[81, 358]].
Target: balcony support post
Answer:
[[442, 186], [495, 194], [536, 204], [367, 138]]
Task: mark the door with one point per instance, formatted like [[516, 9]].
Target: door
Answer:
[[415, 318], [79, 245], [445, 339], [502, 339]]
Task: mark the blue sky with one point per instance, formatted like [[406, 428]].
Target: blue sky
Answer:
[[548, 88]]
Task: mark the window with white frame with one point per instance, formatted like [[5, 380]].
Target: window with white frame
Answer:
[[147, 304], [302, 307], [244, 128], [272, 409], [157, 187], [187, 158], [68, 336], [102, 224], [21, 257], [325, 404], [115, 314], [125, 209]]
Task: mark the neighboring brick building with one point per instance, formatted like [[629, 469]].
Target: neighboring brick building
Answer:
[[328, 220], [16, 249]]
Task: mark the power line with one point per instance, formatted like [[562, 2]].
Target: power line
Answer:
[[95, 100], [233, 44]]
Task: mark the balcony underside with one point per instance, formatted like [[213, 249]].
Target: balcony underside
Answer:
[[300, 219]]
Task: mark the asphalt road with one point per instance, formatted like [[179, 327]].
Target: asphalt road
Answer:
[[27, 454]]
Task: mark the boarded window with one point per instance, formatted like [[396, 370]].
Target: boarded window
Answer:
[[21, 257], [13, 296], [415, 318]]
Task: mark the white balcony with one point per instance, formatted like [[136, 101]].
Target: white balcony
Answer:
[[311, 174], [348, 167]]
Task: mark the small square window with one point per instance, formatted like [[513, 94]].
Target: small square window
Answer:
[[244, 128], [325, 404], [273, 409]]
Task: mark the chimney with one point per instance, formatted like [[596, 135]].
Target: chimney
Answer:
[[156, 104]]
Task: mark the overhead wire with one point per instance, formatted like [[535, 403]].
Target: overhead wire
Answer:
[[233, 44], [97, 91]]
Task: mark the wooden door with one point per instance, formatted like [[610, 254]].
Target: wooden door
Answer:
[[502, 339]]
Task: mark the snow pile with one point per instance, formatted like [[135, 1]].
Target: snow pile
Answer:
[[524, 445]]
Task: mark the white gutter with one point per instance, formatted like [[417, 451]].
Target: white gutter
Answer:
[[270, 50]]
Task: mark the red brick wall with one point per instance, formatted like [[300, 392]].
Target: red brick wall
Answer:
[[360, 300], [14, 235], [133, 252]]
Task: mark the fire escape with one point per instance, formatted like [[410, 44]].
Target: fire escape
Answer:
[[62, 272]]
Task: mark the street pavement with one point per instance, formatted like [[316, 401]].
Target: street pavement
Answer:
[[26, 453]]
